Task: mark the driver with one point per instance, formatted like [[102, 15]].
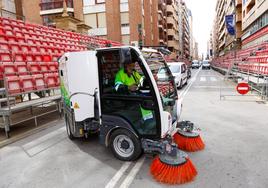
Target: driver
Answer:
[[127, 78]]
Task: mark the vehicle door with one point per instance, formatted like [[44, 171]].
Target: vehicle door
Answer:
[[139, 108]]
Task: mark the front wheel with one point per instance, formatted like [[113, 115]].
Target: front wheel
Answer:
[[125, 145]]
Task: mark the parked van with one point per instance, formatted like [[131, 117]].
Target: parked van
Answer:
[[178, 70]]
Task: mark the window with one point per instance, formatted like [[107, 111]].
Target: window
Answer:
[[101, 20], [99, 1], [133, 106], [124, 18], [91, 20]]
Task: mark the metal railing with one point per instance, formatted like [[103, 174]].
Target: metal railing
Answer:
[[55, 4]]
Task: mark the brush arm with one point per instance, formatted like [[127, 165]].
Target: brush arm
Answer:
[[159, 147]]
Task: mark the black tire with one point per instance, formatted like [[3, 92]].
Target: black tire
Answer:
[[180, 87], [129, 137], [68, 128]]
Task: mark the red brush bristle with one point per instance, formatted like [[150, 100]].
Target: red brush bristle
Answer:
[[172, 174], [189, 143]]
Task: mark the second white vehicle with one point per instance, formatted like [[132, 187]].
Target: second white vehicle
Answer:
[[179, 71]]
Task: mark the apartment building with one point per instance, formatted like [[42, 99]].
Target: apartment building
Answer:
[[47, 12], [254, 22], [195, 56], [137, 22], [221, 29], [172, 26], [185, 48], [162, 23], [130, 22], [191, 39], [251, 24]]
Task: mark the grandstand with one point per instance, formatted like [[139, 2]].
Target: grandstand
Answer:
[[29, 67]]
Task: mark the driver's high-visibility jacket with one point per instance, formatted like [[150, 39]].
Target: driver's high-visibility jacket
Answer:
[[122, 79]]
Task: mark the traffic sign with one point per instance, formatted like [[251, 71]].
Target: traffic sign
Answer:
[[242, 88]]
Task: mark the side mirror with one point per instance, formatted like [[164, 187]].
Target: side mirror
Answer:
[[125, 55], [170, 103]]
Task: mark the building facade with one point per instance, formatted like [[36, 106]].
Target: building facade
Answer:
[[185, 48], [254, 22], [251, 25]]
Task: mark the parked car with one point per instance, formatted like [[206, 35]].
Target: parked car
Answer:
[[178, 70], [206, 64], [195, 64]]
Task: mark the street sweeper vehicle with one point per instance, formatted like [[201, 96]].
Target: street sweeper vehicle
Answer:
[[116, 93]]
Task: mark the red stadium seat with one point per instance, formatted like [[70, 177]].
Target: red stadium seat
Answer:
[[4, 46], [5, 57], [27, 83], [1, 71], [25, 48], [21, 68], [33, 67], [13, 84], [44, 67], [50, 80], [29, 57], [53, 66], [47, 58], [9, 68], [57, 79], [19, 56], [14, 47], [39, 81]]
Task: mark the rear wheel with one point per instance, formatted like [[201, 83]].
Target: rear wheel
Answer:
[[125, 145], [68, 128], [180, 84]]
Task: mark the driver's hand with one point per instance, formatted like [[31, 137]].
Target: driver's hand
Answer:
[[133, 87]]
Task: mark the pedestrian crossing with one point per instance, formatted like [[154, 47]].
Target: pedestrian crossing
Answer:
[[208, 79]]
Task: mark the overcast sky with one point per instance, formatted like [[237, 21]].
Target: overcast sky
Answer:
[[203, 15]]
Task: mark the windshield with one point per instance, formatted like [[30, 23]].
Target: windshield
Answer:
[[205, 62], [174, 68], [162, 75]]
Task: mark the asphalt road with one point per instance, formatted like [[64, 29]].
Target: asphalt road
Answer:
[[234, 129]]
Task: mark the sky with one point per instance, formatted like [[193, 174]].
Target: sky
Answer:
[[203, 15]]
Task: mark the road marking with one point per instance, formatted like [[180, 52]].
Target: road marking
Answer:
[[189, 85], [118, 175], [213, 79], [203, 79], [129, 179]]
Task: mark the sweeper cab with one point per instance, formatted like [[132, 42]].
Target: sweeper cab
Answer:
[[127, 122]]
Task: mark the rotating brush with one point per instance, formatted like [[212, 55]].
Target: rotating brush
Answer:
[[172, 170], [188, 137]]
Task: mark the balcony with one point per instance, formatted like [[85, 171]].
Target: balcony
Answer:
[[171, 32], [55, 4], [238, 17], [170, 10], [170, 20], [174, 44]]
